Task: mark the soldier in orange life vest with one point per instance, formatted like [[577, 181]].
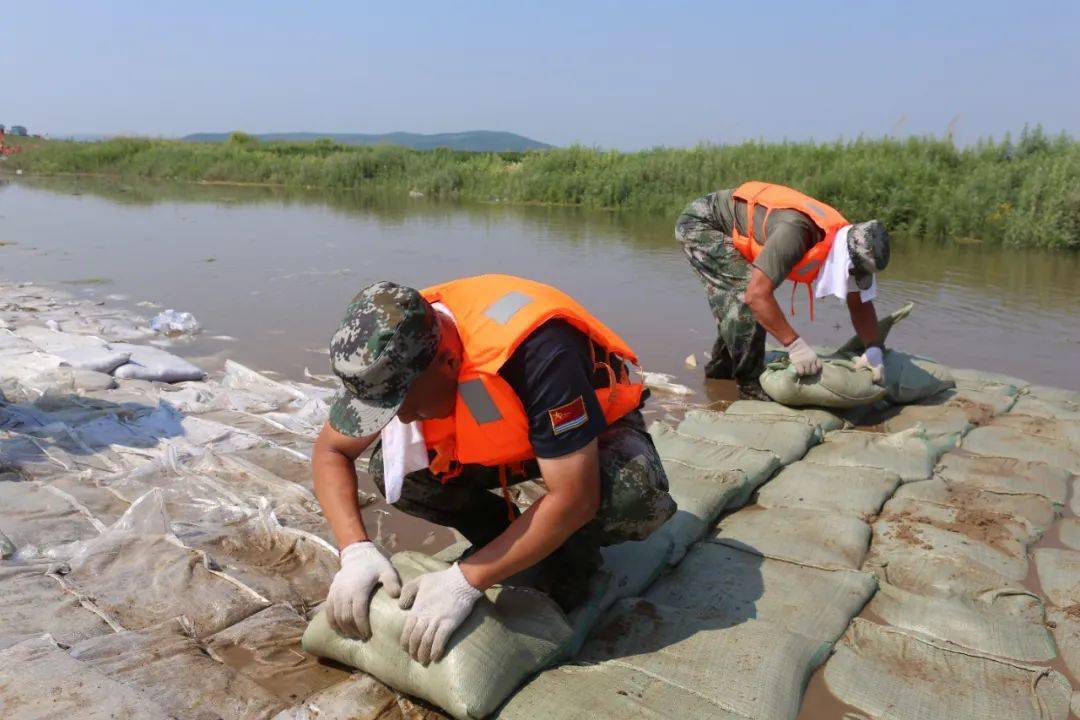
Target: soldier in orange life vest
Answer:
[[745, 242], [465, 388]]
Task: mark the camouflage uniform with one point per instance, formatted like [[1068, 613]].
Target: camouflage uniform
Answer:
[[739, 350], [634, 502], [390, 328]]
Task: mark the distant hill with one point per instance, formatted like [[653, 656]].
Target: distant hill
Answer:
[[476, 140]]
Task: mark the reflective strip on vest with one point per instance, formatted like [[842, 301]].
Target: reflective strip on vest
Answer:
[[479, 402], [816, 209], [507, 306]]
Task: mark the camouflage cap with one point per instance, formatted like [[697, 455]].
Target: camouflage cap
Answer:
[[868, 245], [389, 335]]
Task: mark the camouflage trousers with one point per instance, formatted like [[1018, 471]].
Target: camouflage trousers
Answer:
[[739, 350], [634, 502]]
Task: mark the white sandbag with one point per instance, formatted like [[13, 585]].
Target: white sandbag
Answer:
[[823, 420], [1069, 533], [1028, 405], [971, 625], [1059, 575], [101, 359], [165, 664], [911, 454], [994, 401], [1007, 476], [12, 344], [909, 378], [989, 380], [69, 381], [40, 681], [839, 385], [923, 543], [151, 363], [54, 342], [510, 634], [992, 527], [817, 539], [1007, 442], [662, 382], [1054, 394], [713, 457], [734, 585], [1066, 629], [1063, 431], [1035, 511], [890, 674], [787, 439], [809, 486], [652, 661]]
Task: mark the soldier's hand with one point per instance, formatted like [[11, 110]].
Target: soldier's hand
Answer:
[[362, 568], [440, 602], [803, 358], [874, 361]]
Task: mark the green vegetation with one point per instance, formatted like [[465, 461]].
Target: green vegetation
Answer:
[[472, 140], [1024, 192]]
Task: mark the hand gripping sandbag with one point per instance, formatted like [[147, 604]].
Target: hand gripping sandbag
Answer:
[[511, 634], [839, 385]]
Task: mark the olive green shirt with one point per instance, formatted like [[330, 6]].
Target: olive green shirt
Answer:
[[788, 235]]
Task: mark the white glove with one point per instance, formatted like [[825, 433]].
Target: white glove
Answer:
[[443, 601], [874, 361], [362, 567], [803, 358]]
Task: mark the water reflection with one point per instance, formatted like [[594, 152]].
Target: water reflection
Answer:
[[273, 267]]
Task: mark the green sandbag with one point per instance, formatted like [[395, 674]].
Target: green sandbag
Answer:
[[855, 345], [909, 378], [890, 673], [787, 439], [978, 626], [838, 385], [822, 421], [510, 634]]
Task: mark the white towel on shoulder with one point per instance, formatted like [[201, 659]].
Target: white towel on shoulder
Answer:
[[403, 447], [835, 277]]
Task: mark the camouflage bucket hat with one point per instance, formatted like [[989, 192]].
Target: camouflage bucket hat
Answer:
[[868, 245], [388, 336]]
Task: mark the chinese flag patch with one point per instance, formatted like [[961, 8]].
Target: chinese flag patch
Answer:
[[568, 416]]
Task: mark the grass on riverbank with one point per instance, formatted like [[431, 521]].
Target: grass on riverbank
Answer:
[[1023, 193]]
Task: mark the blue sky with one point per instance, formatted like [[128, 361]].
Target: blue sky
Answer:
[[625, 75]]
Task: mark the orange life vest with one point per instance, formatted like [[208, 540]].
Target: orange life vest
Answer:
[[494, 314], [779, 197]]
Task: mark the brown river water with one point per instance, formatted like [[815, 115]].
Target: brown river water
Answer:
[[274, 269]]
